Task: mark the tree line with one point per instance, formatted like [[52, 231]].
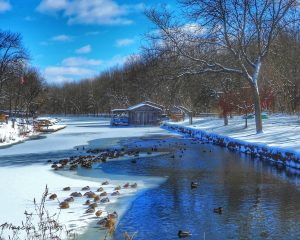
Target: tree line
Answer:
[[209, 56], [225, 56]]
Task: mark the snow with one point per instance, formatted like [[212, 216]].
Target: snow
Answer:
[[281, 133], [278, 130], [53, 128], [10, 135], [27, 183], [143, 104], [19, 185], [77, 134]]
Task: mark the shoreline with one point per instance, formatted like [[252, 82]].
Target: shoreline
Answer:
[[277, 155]]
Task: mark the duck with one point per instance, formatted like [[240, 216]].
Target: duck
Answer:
[[118, 188], [105, 183], [53, 196], [70, 199], [66, 189], [87, 202], [64, 205], [103, 194], [194, 185], [218, 210], [102, 222], [184, 234], [90, 194], [115, 193], [76, 194], [104, 200], [85, 188], [100, 189], [90, 210], [93, 205], [97, 199], [134, 185], [73, 167], [113, 215], [98, 213], [126, 185]]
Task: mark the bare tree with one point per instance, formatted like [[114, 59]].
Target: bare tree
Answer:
[[12, 54], [224, 36]]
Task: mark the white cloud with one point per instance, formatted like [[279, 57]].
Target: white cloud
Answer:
[[102, 12], [124, 42], [71, 71], [52, 5], [193, 28], [84, 49], [72, 68], [61, 38], [79, 61], [5, 6], [119, 60], [59, 79]]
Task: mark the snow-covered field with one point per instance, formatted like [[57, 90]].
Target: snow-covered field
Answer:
[[19, 185], [278, 130]]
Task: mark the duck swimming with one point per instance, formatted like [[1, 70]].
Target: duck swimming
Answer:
[[218, 210], [184, 234], [194, 185]]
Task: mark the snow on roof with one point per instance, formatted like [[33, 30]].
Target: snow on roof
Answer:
[[143, 104], [119, 110], [154, 104]]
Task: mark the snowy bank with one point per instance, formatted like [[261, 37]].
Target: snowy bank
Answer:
[[280, 142], [24, 187], [21, 183], [10, 135]]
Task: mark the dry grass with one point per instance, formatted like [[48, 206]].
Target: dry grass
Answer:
[[38, 225]]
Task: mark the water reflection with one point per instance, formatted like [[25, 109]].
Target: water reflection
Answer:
[[258, 201]]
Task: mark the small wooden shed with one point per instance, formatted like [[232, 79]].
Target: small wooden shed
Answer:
[[145, 114]]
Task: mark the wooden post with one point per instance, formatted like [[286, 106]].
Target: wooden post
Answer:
[[191, 118]]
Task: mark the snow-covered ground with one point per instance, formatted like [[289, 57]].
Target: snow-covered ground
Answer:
[[21, 183], [278, 130], [10, 135]]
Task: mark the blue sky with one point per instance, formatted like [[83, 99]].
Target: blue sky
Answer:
[[74, 39]]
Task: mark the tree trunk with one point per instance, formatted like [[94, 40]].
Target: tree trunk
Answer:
[[225, 116], [257, 107]]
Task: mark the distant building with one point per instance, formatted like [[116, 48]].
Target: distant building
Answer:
[[143, 114]]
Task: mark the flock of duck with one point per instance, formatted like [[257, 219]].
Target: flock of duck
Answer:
[[93, 201], [94, 198], [94, 156]]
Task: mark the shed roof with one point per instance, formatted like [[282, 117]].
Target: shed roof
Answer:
[[119, 110], [143, 104]]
